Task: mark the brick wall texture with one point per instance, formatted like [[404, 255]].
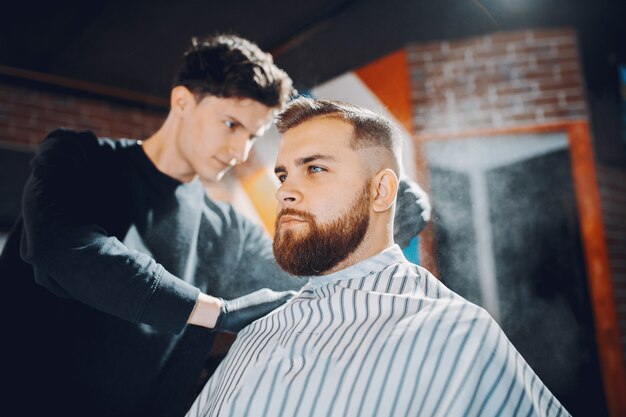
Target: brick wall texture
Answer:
[[515, 79], [27, 114], [496, 81]]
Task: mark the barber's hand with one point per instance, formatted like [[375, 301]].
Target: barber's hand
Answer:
[[412, 212], [238, 313]]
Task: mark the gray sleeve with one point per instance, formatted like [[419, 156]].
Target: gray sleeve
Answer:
[[257, 267]]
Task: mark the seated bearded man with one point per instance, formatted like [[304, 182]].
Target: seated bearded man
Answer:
[[370, 334]]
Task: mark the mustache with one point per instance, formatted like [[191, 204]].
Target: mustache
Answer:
[[295, 212]]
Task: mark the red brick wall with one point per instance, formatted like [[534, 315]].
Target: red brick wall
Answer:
[[495, 81], [28, 113], [515, 79]]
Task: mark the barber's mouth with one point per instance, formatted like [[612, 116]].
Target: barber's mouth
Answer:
[[223, 165]]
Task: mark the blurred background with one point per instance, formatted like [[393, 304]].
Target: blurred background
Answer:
[[513, 111]]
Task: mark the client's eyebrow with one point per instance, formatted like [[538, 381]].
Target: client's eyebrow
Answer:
[[305, 160], [318, 156]]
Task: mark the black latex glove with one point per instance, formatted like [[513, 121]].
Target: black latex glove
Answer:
[[238, 313], [412, 212]]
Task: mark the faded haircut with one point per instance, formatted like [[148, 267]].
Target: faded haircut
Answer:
[[369, 128]]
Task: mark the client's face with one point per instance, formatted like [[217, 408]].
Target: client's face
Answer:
[[318, 247], [324, 201]]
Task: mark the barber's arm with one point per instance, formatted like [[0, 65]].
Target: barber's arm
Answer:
[[412, 211], [72, 253], [74, 257]]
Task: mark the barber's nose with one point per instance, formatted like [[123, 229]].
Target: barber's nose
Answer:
[[240, 147]]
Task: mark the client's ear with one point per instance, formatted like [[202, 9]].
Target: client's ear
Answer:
[[385, 187]]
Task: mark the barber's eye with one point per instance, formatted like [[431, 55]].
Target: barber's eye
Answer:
[[282, 177], [229, 124], [314, 169]]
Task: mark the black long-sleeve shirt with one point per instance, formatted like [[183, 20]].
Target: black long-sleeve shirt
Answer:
[[120, 252]]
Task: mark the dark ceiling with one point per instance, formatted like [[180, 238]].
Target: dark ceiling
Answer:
[[135, 46]]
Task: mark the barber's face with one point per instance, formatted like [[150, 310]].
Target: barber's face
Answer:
[[218, 133], [323, 200]]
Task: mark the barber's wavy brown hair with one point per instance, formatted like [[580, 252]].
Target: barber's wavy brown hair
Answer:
[[229, 66], [370, 129]]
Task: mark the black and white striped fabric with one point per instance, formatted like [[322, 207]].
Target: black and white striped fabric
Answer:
[[380, 338]]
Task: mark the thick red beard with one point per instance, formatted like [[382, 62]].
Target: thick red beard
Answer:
[[322, 246]]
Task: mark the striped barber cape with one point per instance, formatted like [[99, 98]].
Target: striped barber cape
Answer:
[[380, 338]]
